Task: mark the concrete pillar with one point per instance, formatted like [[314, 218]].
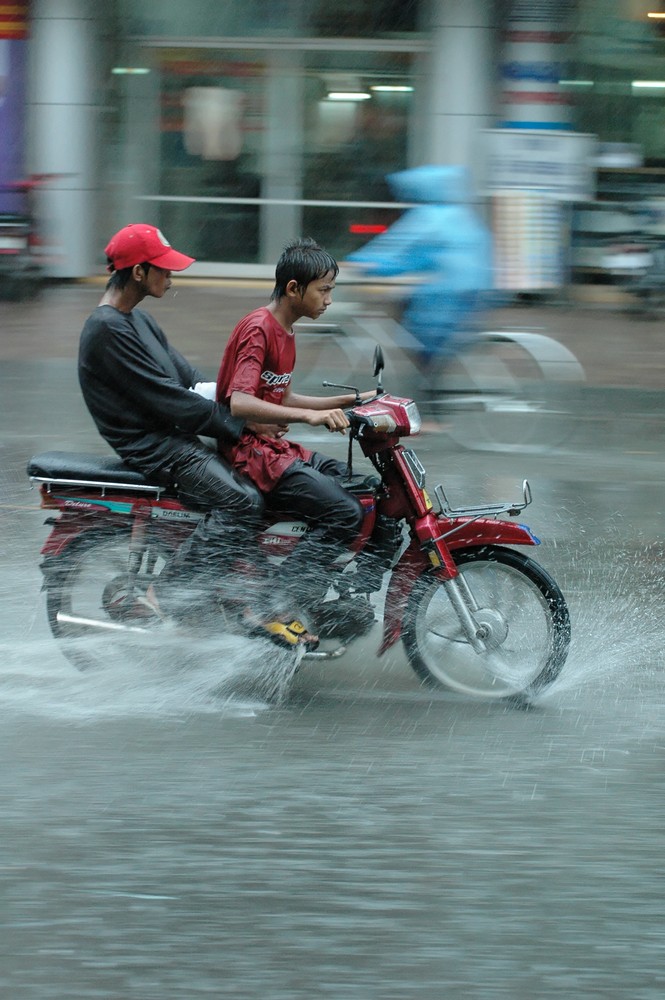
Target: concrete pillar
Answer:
[[63, 130], [282, 164], [461, 80], [534, 59]]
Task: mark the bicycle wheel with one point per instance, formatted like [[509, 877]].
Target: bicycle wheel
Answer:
[[511, 392]]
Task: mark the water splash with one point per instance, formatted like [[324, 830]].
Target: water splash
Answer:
[[164, 681]]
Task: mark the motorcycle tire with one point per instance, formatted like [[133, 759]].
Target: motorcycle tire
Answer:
[[521, 610], [89, 582]]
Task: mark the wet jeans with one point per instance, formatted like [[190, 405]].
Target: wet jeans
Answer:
[[313, 492], [232, 508]]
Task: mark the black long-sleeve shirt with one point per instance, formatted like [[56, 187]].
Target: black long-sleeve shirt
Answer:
[[136, 387]]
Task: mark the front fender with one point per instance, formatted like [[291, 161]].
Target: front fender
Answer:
[[464, 532], [458, 533]]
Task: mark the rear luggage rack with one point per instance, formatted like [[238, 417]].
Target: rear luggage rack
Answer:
[[512, 508], [80, 469], [49, 481]]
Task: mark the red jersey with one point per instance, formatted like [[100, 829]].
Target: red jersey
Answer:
[[259, 360]]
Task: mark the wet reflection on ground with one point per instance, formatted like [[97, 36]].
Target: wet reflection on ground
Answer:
[[170, 834]]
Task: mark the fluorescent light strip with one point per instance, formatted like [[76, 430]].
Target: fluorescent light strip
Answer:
[[386, 88], [648, 84], [340, 95]]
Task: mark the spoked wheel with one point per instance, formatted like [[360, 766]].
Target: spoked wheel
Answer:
[[522, 618], [91, 608], [99, 622], [510, 392]]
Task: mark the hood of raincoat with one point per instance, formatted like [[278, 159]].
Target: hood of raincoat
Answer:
[[440, 185]]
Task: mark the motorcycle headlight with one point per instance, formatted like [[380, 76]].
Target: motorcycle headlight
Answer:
[[383, 422], [413, 416]]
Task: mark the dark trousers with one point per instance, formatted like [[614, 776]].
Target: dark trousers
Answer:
[[312, 491], [232, 508]]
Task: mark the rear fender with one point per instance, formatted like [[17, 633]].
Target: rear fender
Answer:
[[458, 533], [65, 530]]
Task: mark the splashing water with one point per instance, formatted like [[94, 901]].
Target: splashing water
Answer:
[[164, 681], [614, 590]]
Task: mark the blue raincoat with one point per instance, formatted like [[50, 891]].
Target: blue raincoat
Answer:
[[443, 240]]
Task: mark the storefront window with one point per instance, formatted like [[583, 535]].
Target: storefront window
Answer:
[[281, 18], [211, 121], [617, 75], [261, 144]]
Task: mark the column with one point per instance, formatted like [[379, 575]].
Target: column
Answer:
[[282, 152], [64, 130], [460, 98], [535, 52]]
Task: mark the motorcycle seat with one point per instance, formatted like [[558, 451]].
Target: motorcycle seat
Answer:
[[78, 468], [361, 483], [81, 467]]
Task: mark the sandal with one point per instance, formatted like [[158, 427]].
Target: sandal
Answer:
[[285, 633], [293, 634]]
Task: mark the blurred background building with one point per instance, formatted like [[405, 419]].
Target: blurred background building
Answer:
[[235, 125]]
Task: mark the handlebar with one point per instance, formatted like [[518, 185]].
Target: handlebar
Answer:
[[357, 420], [378, 423]]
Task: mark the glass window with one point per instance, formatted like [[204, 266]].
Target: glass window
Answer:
[[211, 120], [282, 18], [256, 146]]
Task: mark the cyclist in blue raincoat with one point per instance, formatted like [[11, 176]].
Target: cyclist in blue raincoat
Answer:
[[443, 240]]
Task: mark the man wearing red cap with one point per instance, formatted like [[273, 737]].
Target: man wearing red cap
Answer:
[[138, 390]]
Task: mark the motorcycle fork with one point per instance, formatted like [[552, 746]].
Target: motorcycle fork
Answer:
[[464, 604], [428, 532], [458, 591], [426, 528]]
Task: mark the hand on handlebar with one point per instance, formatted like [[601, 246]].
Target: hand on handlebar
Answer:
[[334, 420]]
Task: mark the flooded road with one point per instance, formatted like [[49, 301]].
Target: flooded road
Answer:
[[169, 834]]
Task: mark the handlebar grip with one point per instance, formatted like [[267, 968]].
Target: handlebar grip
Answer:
[[357, 420]]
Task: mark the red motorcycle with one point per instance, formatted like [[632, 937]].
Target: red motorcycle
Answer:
[[475, 616]]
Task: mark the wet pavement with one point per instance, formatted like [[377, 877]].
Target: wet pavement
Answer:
[[170, 835]]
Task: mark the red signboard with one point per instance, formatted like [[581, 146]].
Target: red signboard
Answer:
[[13, 20]]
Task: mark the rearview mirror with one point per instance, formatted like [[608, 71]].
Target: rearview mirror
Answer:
[[379, 363]]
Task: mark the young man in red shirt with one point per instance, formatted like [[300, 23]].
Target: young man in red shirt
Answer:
[[255, 381]]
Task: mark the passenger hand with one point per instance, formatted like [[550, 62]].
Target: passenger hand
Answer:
[[206, 389], [268, 430]]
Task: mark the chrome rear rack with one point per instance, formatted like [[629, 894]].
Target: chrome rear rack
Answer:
[[103, 485], [512, 508]]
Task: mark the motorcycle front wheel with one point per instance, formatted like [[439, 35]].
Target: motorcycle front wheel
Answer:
[[519, 609]]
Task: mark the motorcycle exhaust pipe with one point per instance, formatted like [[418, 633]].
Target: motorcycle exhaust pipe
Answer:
[[102, 626], [66, 619], [323, 654]]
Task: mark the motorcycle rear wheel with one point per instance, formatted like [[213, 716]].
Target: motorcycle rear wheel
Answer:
[[523, 612], [89, 581]]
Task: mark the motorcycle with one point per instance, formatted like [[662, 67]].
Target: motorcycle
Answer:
[[476, 616]]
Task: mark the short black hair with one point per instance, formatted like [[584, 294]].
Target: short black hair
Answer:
[[302, 261], [120, 278]]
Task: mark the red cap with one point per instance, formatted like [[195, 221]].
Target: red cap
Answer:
[[139, 243]]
